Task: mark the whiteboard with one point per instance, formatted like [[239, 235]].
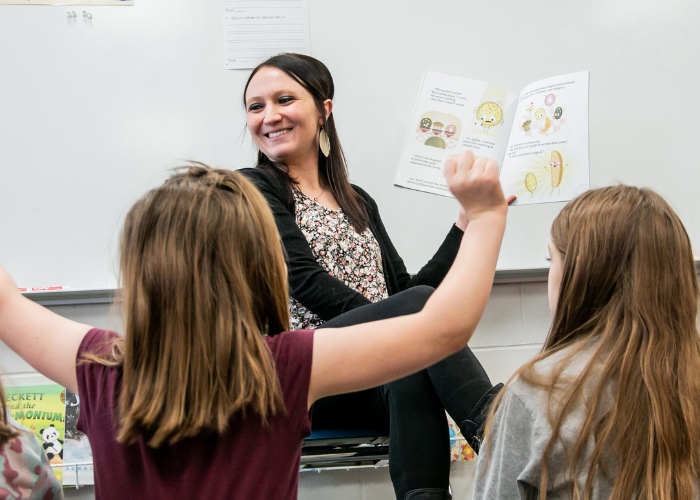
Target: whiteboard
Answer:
[[94, 112]]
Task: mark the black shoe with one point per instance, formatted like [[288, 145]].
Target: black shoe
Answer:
[[428, 494], [473, 427]]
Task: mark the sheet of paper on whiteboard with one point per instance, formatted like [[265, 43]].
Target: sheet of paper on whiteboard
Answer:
[[256, 30]]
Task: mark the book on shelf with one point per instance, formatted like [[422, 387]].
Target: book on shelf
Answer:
[[51, 412]]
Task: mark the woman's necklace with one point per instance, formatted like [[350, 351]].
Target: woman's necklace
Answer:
[[314, 198]]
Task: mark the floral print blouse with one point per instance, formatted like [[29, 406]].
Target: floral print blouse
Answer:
[[351, 257]]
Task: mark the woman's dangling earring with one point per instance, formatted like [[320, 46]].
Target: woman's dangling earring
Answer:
[[324, 142]]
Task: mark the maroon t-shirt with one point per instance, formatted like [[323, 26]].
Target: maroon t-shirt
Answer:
[[249, 461]]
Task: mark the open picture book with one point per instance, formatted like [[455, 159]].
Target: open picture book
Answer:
[[539, 137]]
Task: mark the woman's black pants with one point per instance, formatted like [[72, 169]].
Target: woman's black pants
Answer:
[[411, 410]]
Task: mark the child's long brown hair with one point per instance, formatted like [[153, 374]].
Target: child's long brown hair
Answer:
[[630, 287], [204, 280]]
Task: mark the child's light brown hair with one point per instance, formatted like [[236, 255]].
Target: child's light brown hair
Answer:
[[203, 280], [629, 285]]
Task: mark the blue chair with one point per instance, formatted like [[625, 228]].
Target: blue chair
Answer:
[[344, 449]]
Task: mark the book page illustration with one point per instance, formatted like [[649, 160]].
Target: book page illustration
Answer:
[[489, 114], [548, 175], [439, 130], [547, 155], [451, 115], [542, 116], [540, 138]]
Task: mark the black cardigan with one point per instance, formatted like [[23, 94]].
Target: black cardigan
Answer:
[[311, 284]]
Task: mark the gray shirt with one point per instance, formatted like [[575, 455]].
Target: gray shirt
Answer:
[[510, 463]]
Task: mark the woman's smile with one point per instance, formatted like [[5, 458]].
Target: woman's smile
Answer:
[[272, 135]]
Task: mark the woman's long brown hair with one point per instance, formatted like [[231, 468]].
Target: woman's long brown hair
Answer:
[[629, 288], [204, 280]]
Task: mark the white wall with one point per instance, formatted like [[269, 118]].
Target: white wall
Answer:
[[513, 328], [92, 114]]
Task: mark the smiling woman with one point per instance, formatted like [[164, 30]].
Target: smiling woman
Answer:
[[283, 119], [285, 115], [340, 258]]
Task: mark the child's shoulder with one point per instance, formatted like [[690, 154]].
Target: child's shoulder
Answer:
[[571, 358], [98, 341], [564, 364]]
